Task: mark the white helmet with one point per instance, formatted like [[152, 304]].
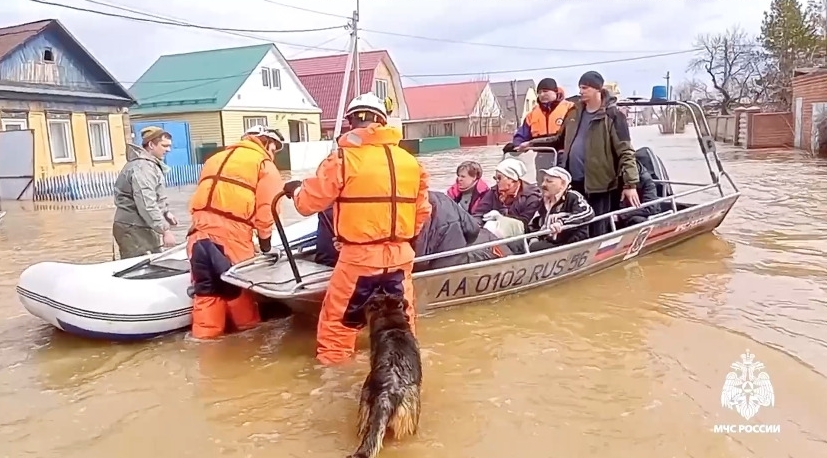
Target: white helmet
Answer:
[[261, 131], [368, 103]]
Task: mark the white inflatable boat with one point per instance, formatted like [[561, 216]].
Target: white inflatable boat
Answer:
[[125, 300]]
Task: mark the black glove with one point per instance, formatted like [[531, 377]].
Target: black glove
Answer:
[[509, 148], [290, 187], [265, 245]]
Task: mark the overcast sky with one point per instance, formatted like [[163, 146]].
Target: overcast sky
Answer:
[[593, 31]]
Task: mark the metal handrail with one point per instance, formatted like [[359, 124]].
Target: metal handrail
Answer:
[[519, 238], [705, 142]]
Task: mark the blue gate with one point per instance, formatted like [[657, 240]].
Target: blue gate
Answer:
[[181, 152]]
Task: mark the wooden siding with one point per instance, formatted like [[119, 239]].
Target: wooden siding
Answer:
[[205, 127], [69, 69], [234, 123], [43, 164]]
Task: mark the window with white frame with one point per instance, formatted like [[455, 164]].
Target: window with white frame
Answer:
[[271, 77], [381, 89], [100, 143], [275, 78], [13, 124], [304, 132], [251, 121], [265, 77], [60, 140]]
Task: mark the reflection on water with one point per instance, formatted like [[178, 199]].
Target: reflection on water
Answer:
[[627, 362]]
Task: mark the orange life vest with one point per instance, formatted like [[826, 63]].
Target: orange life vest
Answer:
[[228, 182], [381, 182], [543, 124]]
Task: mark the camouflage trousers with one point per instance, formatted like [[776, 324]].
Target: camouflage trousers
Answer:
[[134, 241]]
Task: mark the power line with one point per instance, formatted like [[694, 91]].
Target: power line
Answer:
[[524, 48], [307, 10], [322, 44], [435, 75], [181, 24], [558, 67], [238, 34]]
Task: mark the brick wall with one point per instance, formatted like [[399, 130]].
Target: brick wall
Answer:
[[769, 130], [812, 88]]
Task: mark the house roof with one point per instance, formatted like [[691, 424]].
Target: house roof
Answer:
[[323, 77], [195, 81], [15, 36], [327, 88], [336, 63], [502, 90], [443, 101]]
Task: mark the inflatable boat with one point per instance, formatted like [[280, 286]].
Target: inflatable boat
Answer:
[[125, 300]]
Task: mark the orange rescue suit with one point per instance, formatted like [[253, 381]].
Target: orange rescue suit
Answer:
[[543, 124], [233, 197], [380, 197]]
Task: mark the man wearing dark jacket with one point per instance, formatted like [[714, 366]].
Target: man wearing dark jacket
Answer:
[[449, 228], [647, 190], [598, 151], [562, 206]]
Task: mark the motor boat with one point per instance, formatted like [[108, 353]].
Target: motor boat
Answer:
[[128, 299]]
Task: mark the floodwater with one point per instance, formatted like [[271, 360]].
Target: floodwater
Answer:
[[629, 362]]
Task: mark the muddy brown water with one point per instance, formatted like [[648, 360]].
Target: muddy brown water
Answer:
[[629, 362]]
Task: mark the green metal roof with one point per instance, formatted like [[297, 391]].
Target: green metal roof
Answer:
[[196, 81]]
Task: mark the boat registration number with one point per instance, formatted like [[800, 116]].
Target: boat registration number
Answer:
[[453, 287]]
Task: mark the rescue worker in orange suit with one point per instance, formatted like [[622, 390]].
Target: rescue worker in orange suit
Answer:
[[379, 194], [545, 120], [233, 198]]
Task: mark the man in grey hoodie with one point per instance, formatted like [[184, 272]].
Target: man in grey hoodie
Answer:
[[143, 221]]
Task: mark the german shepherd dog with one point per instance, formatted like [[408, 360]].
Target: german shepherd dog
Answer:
[[390, 394]]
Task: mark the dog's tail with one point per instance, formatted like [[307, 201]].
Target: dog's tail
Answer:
[[380, 413]]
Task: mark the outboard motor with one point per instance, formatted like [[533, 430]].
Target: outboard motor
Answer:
[[652, 163]]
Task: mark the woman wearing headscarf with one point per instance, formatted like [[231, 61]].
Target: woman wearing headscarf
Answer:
[[511, 203]]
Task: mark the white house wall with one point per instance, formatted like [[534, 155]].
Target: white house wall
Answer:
[[290, 97], [487, 105]]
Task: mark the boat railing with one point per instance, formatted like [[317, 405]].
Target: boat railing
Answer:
[[707, 146], [524, 238]]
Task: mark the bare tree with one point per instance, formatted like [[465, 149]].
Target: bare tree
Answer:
[[693, 90], [729, 59]]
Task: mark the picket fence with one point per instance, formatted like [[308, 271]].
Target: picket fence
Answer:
[[94, 185]]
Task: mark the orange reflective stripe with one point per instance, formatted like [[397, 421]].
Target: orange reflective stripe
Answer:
[[347, 217], [231, 204]]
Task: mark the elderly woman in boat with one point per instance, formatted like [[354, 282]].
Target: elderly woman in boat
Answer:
[[469, 187], [142, 217], [508, 207]]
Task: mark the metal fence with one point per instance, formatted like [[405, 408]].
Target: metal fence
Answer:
[[94, 185]]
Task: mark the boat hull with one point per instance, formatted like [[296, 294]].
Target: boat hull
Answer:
[[126, 300], [495, 278]]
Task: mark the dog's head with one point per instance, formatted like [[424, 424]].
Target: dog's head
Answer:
[[383, 304]]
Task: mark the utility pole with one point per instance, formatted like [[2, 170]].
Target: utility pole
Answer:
[[669, 89], [357, 86], [514, 101]]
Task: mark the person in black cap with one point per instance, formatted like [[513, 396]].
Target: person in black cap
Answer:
[[546, 119], [598, 151]]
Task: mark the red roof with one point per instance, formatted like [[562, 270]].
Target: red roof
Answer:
[[16, 35], [323, 76], [442, 101]]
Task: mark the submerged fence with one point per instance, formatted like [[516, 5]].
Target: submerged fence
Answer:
[[94, 185]]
